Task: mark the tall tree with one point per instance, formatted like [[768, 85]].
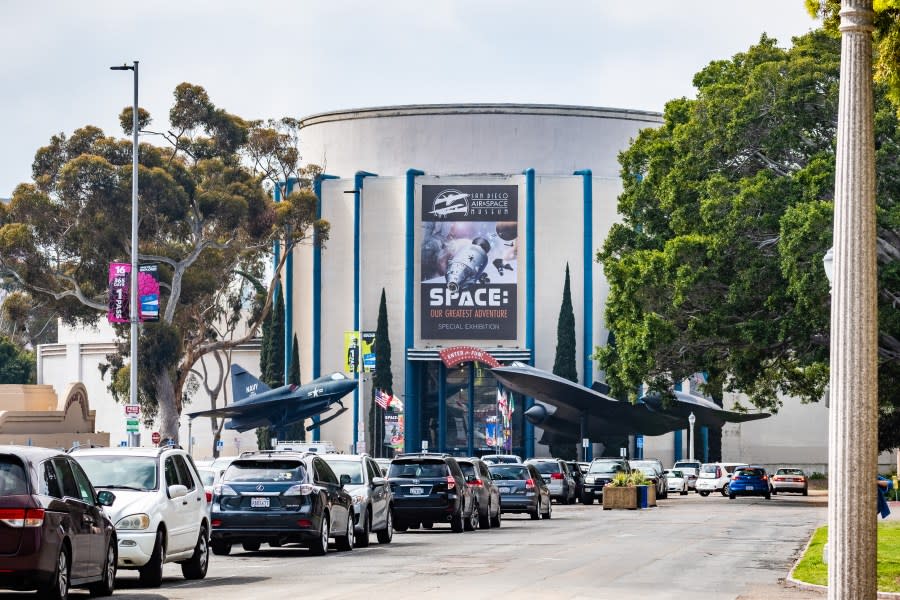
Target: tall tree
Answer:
[[383, 378], [727, 210], [297, 431], [564, 363], [16, 365], [203, 212], [271, 362]]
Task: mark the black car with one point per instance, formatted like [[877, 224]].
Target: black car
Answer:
[[53, 532], [578, 476], [601, 472], [429, 489], [487, 496], [280, 498], [522, 490]]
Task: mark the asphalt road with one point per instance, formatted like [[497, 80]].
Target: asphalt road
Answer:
[[688, 547]]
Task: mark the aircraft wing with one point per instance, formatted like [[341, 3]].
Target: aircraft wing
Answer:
[[251, 407]]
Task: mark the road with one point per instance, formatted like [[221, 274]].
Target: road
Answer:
[[688, 547]]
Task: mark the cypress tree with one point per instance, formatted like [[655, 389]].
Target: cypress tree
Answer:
[[296, 432], [564, 363], [383, 379], [271, 359]]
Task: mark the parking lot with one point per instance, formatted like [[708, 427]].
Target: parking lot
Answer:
[[688, 546]]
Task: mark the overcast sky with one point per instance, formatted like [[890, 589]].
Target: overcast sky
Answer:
[[269, 58]]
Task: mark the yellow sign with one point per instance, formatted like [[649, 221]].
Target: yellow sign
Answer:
[[352, 351]]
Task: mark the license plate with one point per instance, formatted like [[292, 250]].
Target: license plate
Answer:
[[259, 503], [504, 490], [416, 491]]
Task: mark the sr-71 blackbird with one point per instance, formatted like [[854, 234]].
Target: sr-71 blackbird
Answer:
[[257, 405], [606, 417]]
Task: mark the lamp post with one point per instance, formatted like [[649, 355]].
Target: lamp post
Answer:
[[691, 420], [853, 385], [133, 317]]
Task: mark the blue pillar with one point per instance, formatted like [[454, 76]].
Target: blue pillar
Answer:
[[588, 275], [704, 435], [470, 409], [412, 438], [357, 231], [317, 295], [678, 444], [288, 299], [442, 408], [529, 295]]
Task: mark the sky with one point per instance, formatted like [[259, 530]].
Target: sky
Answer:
[[272, 58]]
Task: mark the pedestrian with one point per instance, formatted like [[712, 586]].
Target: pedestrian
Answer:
[[884, 486]]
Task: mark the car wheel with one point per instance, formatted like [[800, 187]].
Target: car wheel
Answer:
[[703, 494], [399, 526], [107, 585], [484, 520], [427, 525], [587, 498], [58, 587], [495, 521], [536, 513], [549, 512], [362, 540], [197, 565], [151, 574], [805, 492], [345, 542], [684, 492], [251, 546], [732, 496], [220, 548], [319, 547], [768, 496], [387, 534], [456, 523], [725, 489], [471, 523]]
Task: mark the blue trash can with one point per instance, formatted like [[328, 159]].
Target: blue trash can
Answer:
[[642, 496]]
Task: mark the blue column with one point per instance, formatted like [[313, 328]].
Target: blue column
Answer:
[[317, 295], [529, 295], [357, 230], [588, 275], [678, 435], [288, 299], [470, 409], [410, 378], [704, 436], [442, 408]]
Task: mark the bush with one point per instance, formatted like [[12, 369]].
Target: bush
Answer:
[[818, 476]]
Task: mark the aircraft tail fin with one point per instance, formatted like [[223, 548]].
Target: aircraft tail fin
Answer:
[[244, 385]]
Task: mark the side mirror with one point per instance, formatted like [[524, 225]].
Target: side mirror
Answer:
[[378, 481], [177, 491], [105, 498], [345, 479]]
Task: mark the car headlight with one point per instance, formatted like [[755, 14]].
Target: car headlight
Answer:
[[133, 522], [358, 499], [590, 479]]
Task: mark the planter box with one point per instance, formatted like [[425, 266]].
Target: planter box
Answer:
[[620, 497]]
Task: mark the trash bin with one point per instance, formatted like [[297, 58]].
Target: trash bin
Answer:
[[642, 497]]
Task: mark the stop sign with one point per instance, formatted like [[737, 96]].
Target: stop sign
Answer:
[[155, 437]]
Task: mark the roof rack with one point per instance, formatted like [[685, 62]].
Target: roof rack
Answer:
[[423, 453], [250, 453]]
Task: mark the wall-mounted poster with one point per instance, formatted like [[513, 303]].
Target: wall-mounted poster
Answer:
[[469, 262]]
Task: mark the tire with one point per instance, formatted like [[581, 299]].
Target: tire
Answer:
[[732, 496], [345, 542], [703, 494], [484, 520], [456, 523], [107, 585], [387, 534], [684, 492], [251, 546], [496, 521], [471, 524], [362, 540], [549, 512], [805, 492], [220, 548], [58, 587], [319, 547], [427, 525], [151, 574], [725, 489], [536, 513], [768, 496], [587, 499], [400, 526], [197, 565], [774, 492]]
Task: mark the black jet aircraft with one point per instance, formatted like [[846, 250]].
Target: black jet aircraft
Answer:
[[605, 417], [257, 405]]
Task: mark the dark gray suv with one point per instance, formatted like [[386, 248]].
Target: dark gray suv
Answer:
[[487, 494], [429, 489]]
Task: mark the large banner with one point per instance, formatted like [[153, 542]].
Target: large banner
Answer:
[[469, 262], [120, 285]]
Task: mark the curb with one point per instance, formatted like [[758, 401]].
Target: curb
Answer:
[[802, 585]]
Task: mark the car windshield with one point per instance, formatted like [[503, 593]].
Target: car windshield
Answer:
[[687, 465], [546, 467], [347, 467], [708, 469], [207, 476], [264, 470], [675, 474], [745, 472], [643, 464], [509, 472], [606, 467], [120, 471], [649, 471], [12, 477], [789, 472], [499, 459], [414, 470]]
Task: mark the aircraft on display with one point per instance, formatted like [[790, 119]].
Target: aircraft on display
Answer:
[[257, 405], [605, 417]]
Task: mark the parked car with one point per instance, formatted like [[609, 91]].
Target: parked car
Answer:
[[209, 478], [600, 472], [522, 490], [654, 471], [384, 464], [676, 481], [371, 494], [54, 533], [558, 477], [714, 477], [429, 489], [750, 481], [502, 459], [790, 480], [160, 510], [277, 498], [578, 476], [487, 496], [691, 470]]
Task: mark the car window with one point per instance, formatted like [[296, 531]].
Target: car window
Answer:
[[184, 472], [731, 468], [510, 472], [353, 468], [675, 474], [606, 467], [171, 472], [49, 481], [413, 470], [265, 471], [485, 473], [374, 470], [789, 472], [468, 468], [708, 469], [207, 476], [12, 477], [120, 471], [64, 474], [546, 467], [745, 472], [84, 486], [324, 474]]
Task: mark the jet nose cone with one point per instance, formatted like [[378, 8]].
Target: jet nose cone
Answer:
[[536, 414]]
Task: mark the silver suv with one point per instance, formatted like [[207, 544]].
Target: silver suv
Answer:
[[373, 500], [160, 510]]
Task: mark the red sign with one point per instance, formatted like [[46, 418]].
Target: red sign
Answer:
[[132, 409], [456, 355], [155, 437]]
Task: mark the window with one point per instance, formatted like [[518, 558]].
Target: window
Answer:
[[324, 474], [351, 468], [184, 473], [510, 473], [118, 471], [171, 472], [64, 474], [49, 481], [12, 477], [374, 471], [84, 486], [264, 471], [547, 467]]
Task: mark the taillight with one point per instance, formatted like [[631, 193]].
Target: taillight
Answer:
[[217, 522], [304, 523], [22, 517], [556, 476], [765, 478], [718, 472], [451, 483], [529, 484], [476, 483], [208, 496]]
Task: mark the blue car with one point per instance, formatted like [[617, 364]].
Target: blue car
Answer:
[[749, 481]]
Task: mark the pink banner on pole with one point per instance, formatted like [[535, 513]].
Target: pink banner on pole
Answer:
[[119, 300]]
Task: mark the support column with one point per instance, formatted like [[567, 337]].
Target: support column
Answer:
[[529, 297], [317, 296], [410, 380], [852, 419]]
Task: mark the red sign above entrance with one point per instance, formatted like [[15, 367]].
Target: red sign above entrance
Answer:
[[456, 355]]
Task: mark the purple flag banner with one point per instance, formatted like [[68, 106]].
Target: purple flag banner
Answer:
[[148, 292], [119, 302]]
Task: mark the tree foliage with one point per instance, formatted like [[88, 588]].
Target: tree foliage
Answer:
[[726, 215], [383, 378], [564, 362], [16, 365], [203, 212]]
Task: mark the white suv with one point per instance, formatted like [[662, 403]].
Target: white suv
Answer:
[[714, 477], [160, 511]]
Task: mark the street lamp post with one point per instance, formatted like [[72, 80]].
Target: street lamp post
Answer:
[[133, 316], [691, 420]]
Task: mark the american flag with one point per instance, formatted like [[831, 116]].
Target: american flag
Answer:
[[383, 399]]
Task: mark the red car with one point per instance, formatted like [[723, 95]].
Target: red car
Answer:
[[54, 533]]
